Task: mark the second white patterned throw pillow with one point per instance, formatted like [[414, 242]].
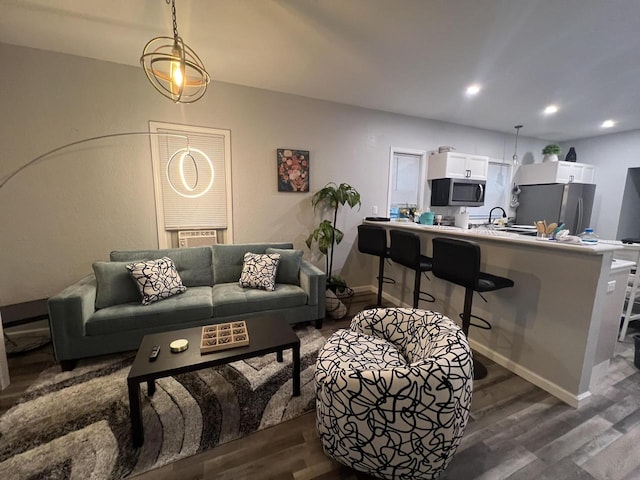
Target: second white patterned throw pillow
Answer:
[[259, 270], [156, 279]]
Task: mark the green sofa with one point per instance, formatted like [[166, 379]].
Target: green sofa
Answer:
[[102, 312]]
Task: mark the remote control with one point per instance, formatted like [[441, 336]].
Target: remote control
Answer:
[[155, 351]]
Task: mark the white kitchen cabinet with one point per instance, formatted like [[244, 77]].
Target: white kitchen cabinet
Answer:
[[588, 174], [457, 165], [555, 172]]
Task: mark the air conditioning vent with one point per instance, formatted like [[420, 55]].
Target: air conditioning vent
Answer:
[[196, 238]]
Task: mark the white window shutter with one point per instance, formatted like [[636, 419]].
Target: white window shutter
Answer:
[[208, 210]]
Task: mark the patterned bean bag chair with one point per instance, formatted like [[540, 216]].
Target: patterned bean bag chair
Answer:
[[393, 393]]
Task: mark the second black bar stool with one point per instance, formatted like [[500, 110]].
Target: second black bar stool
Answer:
[[372, 240], [405, 250], [458, 261]]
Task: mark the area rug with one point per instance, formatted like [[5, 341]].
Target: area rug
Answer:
[[76, 424]]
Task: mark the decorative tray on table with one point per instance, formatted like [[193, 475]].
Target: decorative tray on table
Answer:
[[224, 336]]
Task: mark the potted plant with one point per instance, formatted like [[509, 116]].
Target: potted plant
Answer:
[[326, 234], [551, 153]]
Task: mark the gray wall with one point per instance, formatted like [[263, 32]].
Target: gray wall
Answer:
[[59, 216], [613, 155]]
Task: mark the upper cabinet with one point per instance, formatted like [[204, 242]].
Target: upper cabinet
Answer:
[[555, 172], [457, 165]]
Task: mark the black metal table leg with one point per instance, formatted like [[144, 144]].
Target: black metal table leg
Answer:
[[296, 370], [151, 387], [137, 431], [279, 355]]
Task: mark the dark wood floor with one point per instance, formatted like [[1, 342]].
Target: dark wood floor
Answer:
[[516, 432]]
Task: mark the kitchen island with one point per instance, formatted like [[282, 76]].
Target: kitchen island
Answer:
[[554, 327]]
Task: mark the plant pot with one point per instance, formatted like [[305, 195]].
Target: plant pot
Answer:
[[338, 303], [345, 297], [550, 158], [334, 306]]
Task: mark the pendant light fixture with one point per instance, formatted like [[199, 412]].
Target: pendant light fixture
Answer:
[[515, 150], [173, 68], [515, 191]]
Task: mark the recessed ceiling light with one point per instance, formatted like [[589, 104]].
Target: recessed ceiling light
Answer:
[[608, 124], [550, 109], [473, 89]]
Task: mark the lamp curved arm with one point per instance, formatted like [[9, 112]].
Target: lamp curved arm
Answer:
[[79, 142]]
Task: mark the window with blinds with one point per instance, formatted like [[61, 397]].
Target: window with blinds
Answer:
[[183, 169]]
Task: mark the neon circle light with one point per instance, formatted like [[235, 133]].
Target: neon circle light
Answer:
[[186, 153]]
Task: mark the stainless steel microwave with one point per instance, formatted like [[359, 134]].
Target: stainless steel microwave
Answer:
[[457, 192]]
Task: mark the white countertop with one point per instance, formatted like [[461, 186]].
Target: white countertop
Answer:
[[502, 236], [618, 264]]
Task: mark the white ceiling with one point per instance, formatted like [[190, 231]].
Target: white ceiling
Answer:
[[414, 57]]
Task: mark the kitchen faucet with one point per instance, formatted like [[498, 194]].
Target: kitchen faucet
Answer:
[[504, 214]]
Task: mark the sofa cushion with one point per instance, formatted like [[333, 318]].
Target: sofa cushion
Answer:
[[289, 266], [228, 259], [193, 264], [192, 305], [232, 299], [259, 271], [114, 284], [156, 279]]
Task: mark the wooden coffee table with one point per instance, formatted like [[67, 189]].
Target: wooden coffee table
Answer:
[[267, 334]]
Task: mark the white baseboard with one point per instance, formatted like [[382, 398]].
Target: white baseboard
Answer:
[[28, 331], [532, 377], [363, 289]]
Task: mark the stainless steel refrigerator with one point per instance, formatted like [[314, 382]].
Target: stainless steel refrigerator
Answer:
[[568, 203]]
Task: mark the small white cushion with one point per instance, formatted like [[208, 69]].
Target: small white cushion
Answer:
[[156, 279], [259, 271]]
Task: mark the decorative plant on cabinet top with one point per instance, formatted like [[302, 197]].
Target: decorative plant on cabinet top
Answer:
[[551, 153], [326, 234]]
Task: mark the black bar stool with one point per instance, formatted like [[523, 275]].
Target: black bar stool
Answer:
[[405, 250], [458, 261], [373, 241]]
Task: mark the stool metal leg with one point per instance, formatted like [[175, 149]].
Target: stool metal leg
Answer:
[[416, 290], [425, 296], [389, 280], [479, 370], [380, 281], [466, 314], [484, 326]]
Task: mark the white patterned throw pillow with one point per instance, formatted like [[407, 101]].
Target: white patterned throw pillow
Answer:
[[259, 270], [156, 279]]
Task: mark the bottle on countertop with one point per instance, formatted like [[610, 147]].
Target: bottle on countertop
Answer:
[[588, 237]]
